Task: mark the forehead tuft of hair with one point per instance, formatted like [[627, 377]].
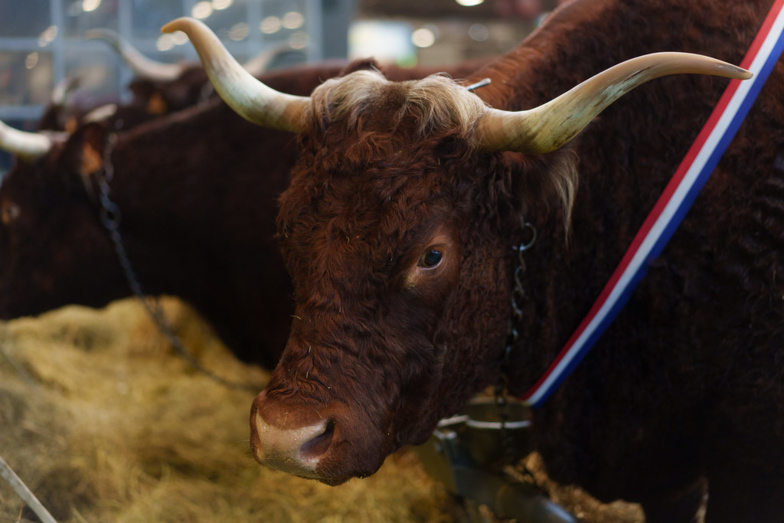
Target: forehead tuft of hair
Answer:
[[437, 102]]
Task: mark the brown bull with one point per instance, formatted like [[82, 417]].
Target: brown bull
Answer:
[[398, 231]]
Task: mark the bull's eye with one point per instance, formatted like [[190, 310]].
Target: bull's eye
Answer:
[[431, 259]]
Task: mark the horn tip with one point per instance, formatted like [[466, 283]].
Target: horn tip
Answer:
[[178, 24], [732, 71], [736, 72], [739, 73]]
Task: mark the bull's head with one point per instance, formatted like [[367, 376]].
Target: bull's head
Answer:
[[396, 231]]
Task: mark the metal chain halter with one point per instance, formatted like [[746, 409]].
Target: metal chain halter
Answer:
[[110, 218], [513, 335]]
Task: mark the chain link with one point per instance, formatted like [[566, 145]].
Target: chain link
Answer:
[[513, 335], [110, 217]]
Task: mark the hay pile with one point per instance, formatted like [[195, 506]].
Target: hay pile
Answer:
[[105, 423], [114, 427]]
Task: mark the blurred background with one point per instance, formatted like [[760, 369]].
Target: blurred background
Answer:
[[42, 41]]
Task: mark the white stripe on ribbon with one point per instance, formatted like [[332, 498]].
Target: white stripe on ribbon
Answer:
[[763, 54]]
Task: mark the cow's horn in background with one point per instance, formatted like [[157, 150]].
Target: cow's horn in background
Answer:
[[27, 146], [63, 90], [552, 125], [142, 66], [259, 63], [249, 97]]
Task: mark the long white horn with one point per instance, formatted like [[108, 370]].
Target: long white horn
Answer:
[[27, 146], [249, 97], [141, 65], [552, 125]]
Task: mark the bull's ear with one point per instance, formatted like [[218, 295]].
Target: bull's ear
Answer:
[[85, 148]]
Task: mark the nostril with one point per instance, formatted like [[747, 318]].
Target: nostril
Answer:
[[319, 444]]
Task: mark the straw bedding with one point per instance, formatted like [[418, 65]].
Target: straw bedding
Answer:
[[104, 422]]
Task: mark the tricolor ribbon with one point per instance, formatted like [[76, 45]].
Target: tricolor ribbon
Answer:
[[670, 209]]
